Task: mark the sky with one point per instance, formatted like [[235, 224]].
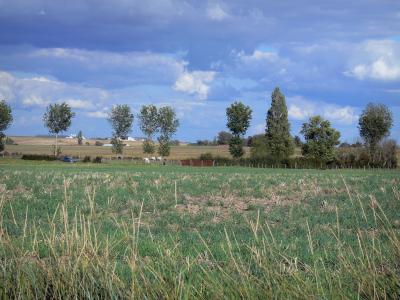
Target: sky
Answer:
[[328, 57]]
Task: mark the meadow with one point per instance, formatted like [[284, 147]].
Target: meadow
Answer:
[[116, 230]]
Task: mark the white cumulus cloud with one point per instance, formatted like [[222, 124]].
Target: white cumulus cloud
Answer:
[[99, 114], [34, 100], [196, 83], [301, 109], [376, 60], [77, 103]]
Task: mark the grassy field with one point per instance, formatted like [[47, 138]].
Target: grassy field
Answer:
[[123, 231], [33, 145]]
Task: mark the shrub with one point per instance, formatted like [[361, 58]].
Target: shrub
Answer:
[[97, 143], [39, 157], [206, 156], [87, 143], [149, 147], [97, 160], [86, 159]]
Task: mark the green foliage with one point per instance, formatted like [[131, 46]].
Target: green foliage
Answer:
[[374, 124], [121, 120], [6, 117], [149, 122], [167, 124], [297, 141], [258, 146], [164, 147], [320, 138], [2, 141], [97, 160], [236, 147], [224, 137], [148, 119], [80, 137], [117, 145], [279, 141], [239, 117], [58, 118], [38, 157], [86, 159], [149, 147], [206, 156]]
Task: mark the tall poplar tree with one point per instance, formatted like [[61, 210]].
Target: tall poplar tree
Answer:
[[279, 142]]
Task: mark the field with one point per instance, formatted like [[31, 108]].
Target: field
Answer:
[[34, 145], [120, 231]]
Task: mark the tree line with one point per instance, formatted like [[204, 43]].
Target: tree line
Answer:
[[58, 118], [320, 139], [276, 144]]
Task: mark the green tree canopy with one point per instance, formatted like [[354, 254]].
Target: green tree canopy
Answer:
[[320, 139], [374, 124], [121, 120], [239, 116], [168, 125], [279, 142], [148, 119], [58, 118], [6, 119]]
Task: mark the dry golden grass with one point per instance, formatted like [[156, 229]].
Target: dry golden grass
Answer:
[[39, 145]]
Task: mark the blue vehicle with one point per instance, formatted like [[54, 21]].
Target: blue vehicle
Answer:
[[69, 159]]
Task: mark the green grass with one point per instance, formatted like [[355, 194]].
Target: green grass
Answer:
[[122, 231]]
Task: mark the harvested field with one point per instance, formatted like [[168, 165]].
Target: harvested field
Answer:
[[121, 231]]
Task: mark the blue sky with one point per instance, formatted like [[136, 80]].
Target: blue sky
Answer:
[[328, 57]]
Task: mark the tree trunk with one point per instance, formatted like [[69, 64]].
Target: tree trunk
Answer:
[[56, 148]]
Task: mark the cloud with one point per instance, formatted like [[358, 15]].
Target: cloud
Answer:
[[195, 83], [34, 100], [301, 109], [376, 60], [39, 91], [99, 114], [216, 12], [77, 103]]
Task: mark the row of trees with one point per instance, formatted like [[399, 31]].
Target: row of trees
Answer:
[[320, 139], [58, 118], [153, 120]]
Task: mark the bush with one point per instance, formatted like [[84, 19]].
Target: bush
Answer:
[[149, 147], [86, 159], [206, 156], [97, 160], [39, 157], [97, 143], [87, 143]]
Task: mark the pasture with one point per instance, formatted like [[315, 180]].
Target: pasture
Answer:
[[119, 231]]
